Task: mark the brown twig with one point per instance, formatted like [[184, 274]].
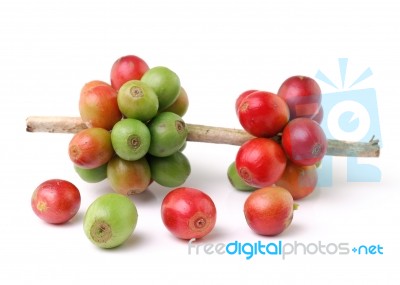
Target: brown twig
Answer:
[[206, 134]]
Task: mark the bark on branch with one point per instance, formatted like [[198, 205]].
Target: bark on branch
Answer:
[[205, 134]]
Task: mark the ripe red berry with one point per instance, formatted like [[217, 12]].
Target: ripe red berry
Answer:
[[241, 97], [188, 213], [56, 201], [263, 114], [260, 162], [303, 96], [304, 141], [129, 67]]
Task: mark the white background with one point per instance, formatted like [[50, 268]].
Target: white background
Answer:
[[49, 49]]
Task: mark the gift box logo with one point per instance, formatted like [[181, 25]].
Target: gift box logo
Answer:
[[350, 114]]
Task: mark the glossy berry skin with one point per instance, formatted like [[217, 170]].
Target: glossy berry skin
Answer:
[[98, 105], [130, 139], [56, 201], [168, 134], [269, 211], [93, 83], [300, 181], [304, 141], [129, 67], [165, 83], [91, 148], [188, 213], [128, 177], [241, 97], [263, 114], [137, 100], [110, 220], [303, 96], [260, 162], [170, 171]]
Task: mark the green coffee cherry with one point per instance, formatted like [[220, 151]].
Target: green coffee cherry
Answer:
[[110, 220], [137, 100], [93, 175], [168, 134], [170, 171], [165, 83], [130, 139]]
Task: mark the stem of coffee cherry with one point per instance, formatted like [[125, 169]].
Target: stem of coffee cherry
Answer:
[[205, 134]]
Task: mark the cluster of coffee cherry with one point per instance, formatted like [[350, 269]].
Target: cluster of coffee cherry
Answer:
[[288, 141], [135, 131]]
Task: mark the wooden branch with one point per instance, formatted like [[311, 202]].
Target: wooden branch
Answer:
[[57, 124], [205, 134]]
